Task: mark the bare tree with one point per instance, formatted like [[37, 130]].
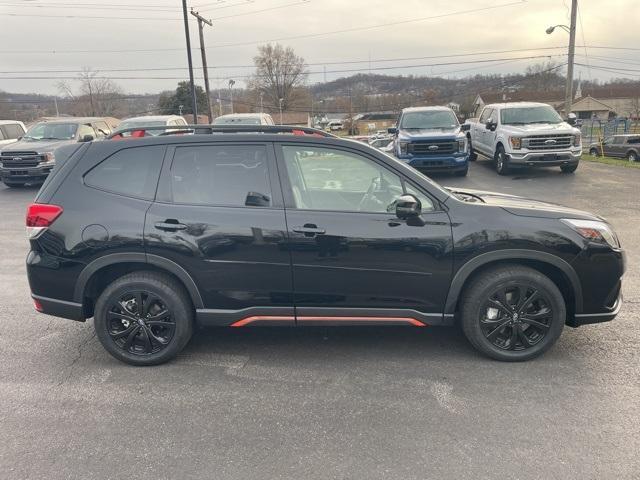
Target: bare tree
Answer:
[[279, 75], [96, 96]]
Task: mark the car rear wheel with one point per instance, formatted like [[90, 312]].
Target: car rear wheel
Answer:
[[632, 156], [144, 318], [502, 161], [512, 313]]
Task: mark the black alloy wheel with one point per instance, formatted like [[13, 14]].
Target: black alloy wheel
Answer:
[[516, 317], [140, 323]]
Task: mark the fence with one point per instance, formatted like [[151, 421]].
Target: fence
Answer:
[[594, 130]]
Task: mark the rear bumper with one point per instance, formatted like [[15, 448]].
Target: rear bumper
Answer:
[[545, 159], [59, 308]]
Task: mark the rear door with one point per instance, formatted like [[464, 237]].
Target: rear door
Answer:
[[615, 147], [219, 215]]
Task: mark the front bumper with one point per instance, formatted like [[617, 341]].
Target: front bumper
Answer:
[[443, 163], [588, 318], [545, 159], [25, 174]]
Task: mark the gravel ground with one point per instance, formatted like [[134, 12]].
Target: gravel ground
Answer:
[[368, 403]]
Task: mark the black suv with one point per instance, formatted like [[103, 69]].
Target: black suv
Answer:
[[246, 226]]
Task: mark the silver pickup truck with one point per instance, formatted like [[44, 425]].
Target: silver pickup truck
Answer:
[[524, 134]]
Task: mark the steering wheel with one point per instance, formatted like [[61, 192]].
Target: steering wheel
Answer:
[[376, 182]]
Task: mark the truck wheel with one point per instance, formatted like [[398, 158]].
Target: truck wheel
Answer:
[[632, 156], [502, 162], [144, 318], [569, 168], [462, 173], [512, 313], [594, 152]]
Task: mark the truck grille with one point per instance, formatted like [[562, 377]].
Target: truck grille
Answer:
[[433, 147], [548, 142], [20, 159]]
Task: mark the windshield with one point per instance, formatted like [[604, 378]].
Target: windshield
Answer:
[[236, 121], [527, 115], [429, 119], [143, 123], [52, 131]]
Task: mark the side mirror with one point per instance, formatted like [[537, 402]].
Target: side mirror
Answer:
[[392, 130], [491, 124], [465, 127], [257, 199], [87, 138], [572, 119], [408, 206]]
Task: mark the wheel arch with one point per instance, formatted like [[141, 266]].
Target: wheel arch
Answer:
[[102, 271], [558, 270]]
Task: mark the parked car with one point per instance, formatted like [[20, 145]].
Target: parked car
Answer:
[[31, 159], [244, 119], [621, 146], [10, 132], [525, 134], [156, 235], [152, 121], [334, 126], [430, 139]]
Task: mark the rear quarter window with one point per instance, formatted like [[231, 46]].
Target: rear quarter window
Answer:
[[132, 172]]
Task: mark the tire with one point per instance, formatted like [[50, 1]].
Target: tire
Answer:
[[502, 162], [473, 155], [478, 306], [118, 325], [462, 173], [594, 152], [569, 168], [14, 184], [632, 156]]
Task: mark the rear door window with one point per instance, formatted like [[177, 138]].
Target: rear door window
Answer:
[[131, 172], [221, 175]]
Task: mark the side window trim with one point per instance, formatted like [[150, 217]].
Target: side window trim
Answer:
[[164, 192], [289, 200]]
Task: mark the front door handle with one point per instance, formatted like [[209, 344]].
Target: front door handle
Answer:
[[309, 230], [170, 225]]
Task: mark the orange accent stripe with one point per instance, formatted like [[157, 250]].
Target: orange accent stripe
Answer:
[[274, 318], [266, 318], [412, 321]]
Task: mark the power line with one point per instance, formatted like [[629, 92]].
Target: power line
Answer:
[[584, 42], [253, 12]]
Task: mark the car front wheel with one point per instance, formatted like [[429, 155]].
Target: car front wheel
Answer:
[[144, 318], [502, 161], [512, 313], [594, 152]]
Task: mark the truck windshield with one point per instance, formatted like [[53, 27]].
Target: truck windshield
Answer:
[[429, 119], [236, 121], [143, 123], [527, 115], [52, 131]]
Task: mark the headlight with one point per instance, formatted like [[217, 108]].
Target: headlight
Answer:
[[49, 157], [462, 145], [516, 142], [404, 147], [594, 231], [576, 140]]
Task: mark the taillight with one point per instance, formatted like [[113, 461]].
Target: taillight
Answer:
[[40, 217]]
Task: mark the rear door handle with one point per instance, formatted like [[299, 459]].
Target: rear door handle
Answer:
[[170, 225], [309, 230]]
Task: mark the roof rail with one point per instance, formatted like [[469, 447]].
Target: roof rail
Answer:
[[141, 131]]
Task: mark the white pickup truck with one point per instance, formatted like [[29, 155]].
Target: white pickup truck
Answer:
[[524, 134]]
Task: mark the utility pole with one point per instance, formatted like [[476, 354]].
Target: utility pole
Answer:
[[201, 22], [568, 96], [231, 84], [55, 101], [194, 99]]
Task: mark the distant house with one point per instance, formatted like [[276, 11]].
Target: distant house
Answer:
[[371, 122]]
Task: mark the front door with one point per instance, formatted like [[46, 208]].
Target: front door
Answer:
[[219, 216], [353, 260]]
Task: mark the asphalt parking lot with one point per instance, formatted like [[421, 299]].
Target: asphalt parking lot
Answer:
[[370, 403]]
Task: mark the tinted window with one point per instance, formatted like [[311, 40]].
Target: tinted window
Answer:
[[132, 172], [331, 179], [224, 175], [484, 118], [634, 140], [618, 139]]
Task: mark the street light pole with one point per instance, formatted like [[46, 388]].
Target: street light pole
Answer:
[[568, 97], [280, 102], [193, 85], [231, 84]]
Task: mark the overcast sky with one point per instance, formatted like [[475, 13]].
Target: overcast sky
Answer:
[[38, 35]]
